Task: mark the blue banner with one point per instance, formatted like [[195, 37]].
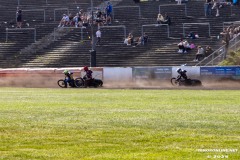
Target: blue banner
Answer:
[[220, 71]]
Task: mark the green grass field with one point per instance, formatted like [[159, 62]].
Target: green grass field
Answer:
[[70, 124]]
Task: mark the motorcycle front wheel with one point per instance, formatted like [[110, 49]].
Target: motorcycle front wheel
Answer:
[[61, 83], [174, 82]]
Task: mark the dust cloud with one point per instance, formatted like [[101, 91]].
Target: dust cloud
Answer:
[[51, 82]]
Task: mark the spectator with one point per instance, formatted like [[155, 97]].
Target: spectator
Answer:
[[109, 13], [207, 7], [186, 45], [181, 47], [98, 35], [130, 39], [199, 54], [144, 39], [179, 2], [216, 5], [77, 21], [138, 41], [167, 19], [19, 18], [71, 23], [64, 21], [160, 19], [208, 51], [226, 36], [191, 35], [99, 20]]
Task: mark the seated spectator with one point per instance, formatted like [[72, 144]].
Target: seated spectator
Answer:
[[208, 51], [77, 21], [138, 41], [199, 54], [99, 20], [130, 39], [186, 45], [144, 39], [64, 21], [160, 19], [181, 47], [191, 35], [71, 23], [167, 19]]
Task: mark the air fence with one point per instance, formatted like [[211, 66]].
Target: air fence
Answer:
[[20, 31], [197, 28]]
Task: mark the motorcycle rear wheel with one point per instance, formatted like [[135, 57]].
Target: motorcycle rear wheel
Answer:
[[79, 82]]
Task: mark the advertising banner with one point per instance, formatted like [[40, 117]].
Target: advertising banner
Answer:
[[146, 73], [220, 71]]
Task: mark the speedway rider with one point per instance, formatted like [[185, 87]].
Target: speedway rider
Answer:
[[182, 74], [88, 77], [68, 78]]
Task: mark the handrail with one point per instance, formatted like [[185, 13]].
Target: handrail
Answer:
[[19, 29], [220, 53]]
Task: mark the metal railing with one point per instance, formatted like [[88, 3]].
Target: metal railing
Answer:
[[187, 24], [156, 25], [214, 58], [37, 10], [120, 7], [120, 26], [55, 29], [220, 54], [19, 2], [226, 24], [20, 29], [166, 5]]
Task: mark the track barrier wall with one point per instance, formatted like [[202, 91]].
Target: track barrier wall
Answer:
[[118, 74]]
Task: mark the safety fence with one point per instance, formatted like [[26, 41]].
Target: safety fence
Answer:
[[32, 12], [122, 27], [196, 28], [16, 31], [159, 28], [165, 8], [63, 30]]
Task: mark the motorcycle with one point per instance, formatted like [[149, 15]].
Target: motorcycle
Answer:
[[76, 83], [183, 82], [93, 83]]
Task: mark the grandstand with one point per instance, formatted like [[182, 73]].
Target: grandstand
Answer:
[[71, 46]]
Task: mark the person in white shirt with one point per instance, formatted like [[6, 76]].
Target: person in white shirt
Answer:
[[98, 35]]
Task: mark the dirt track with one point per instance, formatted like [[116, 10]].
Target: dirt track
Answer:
[[39, 82]]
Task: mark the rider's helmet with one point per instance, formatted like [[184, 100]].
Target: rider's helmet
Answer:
[[179, 70], [65, 71], [85, 68]]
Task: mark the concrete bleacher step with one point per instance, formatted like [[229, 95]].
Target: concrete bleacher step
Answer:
[[71, 51]]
